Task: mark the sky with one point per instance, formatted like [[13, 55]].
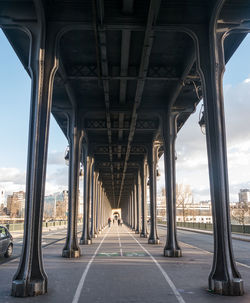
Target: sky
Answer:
[[191, 165]]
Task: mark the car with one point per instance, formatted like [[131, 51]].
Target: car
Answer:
[[6, 242]]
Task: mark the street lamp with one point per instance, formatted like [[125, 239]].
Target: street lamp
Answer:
[[66, 156], [202, 121]]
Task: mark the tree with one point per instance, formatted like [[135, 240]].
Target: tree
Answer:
[[240, 212], [184, 199]]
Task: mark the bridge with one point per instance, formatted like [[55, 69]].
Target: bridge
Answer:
[[121, 79]]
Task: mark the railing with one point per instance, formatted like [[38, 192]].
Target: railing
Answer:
[[20, 226], [243, 229]]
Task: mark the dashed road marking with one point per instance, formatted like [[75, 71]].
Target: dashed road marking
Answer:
[[82, 280], [165, 275], [119, 240]]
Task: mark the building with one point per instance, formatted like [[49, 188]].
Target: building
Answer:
[[161, 208], [2, 196], [244, 195], [16, 204]]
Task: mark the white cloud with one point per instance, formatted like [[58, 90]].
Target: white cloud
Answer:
[[56, 158]]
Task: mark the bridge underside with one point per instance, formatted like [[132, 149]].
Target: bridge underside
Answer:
[[121, 78]]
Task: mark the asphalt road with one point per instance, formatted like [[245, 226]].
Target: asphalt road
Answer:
[[121, 267], [205, 242], [48, 238]]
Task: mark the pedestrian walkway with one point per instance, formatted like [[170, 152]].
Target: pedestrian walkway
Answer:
[[121, 267]]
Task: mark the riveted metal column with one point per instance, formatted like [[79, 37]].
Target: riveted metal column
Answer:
[[95, 204], [143, 188], [133, 208], [71, 248], [88, 163], [138, 206], [224, 277], [152, 162], [93, 198], [128, 222], [169, 122], [100, 208], [30, 278]]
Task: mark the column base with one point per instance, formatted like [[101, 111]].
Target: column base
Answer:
[[227, 288], [153, 241], [137, 232], [174, 253], [95, 235], [85, 242], [143, 235], [23, 288], [70, 253]]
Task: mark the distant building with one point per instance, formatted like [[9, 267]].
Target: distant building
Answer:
[[61, 207], [244, 195], [2, 196], [161, 208], [197, 212], [16, 204], [52, 202]]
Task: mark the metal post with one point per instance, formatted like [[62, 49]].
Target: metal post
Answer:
[[143, 183], [88, 161], [71, 248], [224, 277], [138, 208], [30, 278], [171, 248], [152, 161], [92, 232]]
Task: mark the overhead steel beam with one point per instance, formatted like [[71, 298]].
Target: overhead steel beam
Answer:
[[102, 44], [125, 47], [146, 50]]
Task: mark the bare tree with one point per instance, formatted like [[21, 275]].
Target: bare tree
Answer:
[[184, 199], [240, 212]]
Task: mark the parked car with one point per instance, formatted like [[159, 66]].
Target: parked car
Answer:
[[6, 242]]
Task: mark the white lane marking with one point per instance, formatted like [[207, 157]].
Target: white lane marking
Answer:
[[20, 241], [210, 253], [165, 275], [82, 280], [119, 240]]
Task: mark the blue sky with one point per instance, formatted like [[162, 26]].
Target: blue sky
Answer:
[[191, 147]]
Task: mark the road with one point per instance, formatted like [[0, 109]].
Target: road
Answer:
[[120, 267], [205, 242], [48, 238]]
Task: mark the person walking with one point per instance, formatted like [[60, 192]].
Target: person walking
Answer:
[[109, 221]]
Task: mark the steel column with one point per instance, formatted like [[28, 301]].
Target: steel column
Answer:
[[93, 197], [30, 278], [169, 122], [88, 163], [143, 187], [95, 204], [138, 207], [152, 162], [224, 277], [71, 248]]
